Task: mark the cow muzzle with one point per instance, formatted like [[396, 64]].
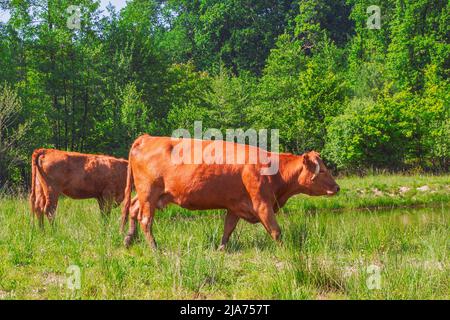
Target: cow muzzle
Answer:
[[334, 191]]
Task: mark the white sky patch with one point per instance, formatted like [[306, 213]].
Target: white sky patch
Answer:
[[118, 4], [4, 15]]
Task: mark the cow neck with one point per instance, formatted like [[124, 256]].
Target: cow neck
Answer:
[[290, 168]]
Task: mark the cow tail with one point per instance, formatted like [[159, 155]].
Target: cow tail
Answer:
[[34, 168], [128, 188]]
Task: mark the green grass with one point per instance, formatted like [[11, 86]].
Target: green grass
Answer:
[[328, 245]]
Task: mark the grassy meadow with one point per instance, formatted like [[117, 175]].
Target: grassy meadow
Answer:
[[382, 237]]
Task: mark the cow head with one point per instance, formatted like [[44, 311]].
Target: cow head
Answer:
[[315, 179]]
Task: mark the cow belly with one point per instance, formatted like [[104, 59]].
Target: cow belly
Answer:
[[243, 209], [205, 189], [83, 188], [199, 203], [248, 217], [79, 193], [205, 199]]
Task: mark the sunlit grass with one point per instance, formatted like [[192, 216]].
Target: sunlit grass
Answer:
[[325, 252]]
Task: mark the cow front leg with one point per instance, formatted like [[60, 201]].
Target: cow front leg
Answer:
[[267, 218], [105, 204], [231, 221]]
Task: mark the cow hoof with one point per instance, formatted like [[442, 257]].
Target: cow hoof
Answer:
[[221, 248], [127, 241]]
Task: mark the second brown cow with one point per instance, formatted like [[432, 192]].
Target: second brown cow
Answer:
[[78, 176]]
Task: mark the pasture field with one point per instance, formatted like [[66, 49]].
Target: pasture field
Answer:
[[380, 238]]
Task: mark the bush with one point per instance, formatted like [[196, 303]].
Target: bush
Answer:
[[372, 133]]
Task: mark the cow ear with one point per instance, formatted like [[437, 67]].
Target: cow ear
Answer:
[[306, 160]]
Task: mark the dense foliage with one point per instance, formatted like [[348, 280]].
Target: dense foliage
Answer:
[[366, 98]]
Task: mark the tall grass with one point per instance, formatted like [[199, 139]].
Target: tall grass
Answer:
[[325, 252]]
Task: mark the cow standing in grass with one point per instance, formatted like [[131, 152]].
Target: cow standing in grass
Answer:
[[78, 176], [239, 187]]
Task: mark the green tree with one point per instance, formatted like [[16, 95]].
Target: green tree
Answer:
[[136, 116], [300, 94], [419, 35], [229, 99], [237, 33], [12, 132]]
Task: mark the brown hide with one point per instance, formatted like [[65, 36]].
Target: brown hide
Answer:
[[78, 176], [238, 187]]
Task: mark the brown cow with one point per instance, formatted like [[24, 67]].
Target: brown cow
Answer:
[[78, 176], [241, 189]]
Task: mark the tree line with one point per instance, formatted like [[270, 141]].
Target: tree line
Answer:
[[365, 97]]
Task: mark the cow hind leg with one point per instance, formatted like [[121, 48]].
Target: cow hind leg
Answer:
[[123, 222], [231, 221], [148, 200], [39, 213], [131, 228], [50, 206], [136, 213], [38, 210], [134, 207], [38, 204], [147, 215]]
